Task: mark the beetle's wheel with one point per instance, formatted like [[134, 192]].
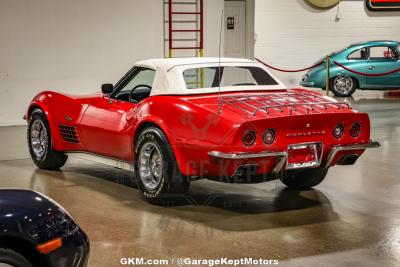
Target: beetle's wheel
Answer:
[[343, 85]]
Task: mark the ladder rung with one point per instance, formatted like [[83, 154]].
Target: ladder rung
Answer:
[[182, 21], [185, 30], [185, 47], [185, 13], [182, 3], [182, 40]]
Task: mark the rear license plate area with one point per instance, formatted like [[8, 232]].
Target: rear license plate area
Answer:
[[304, 156]]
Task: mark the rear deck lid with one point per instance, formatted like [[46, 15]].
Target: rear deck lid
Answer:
[[253, 106]]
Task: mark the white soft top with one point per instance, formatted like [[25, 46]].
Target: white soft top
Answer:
[[169, 79]]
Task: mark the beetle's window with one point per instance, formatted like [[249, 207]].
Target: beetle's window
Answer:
[[360, 54], [229, 76], [382, 52]]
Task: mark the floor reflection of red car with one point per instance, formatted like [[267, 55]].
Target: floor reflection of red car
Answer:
[[177, 120]]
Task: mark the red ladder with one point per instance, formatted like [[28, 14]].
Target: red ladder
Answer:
[[178, 14]]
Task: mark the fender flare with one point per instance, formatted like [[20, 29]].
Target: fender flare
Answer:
[[56, 140], [159, 123]]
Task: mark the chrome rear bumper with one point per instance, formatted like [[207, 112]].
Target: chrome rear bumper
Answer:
[[237, 156], [283, 155], [222, 155], [336, 149]]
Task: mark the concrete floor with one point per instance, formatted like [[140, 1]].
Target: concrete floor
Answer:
[[351, 219]]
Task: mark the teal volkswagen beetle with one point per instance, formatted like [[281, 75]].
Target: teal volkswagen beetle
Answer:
[[369, 58]]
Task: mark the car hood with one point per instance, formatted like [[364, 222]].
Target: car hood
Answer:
[[32, 214], [88, 98], [21, 203]]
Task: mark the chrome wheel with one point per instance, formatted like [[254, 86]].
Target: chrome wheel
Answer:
[[39, 139], [150, 165], [343, 84]]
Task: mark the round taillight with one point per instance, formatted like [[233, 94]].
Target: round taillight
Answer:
[[355, 130], [338, 131], [249, 138], [269, 136]]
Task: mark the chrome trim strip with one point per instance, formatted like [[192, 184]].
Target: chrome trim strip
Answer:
[[120, 164], [280, 164], [221, 155], [336, 149], [278, 167]]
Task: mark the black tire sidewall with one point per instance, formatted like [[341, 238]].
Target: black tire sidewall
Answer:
[[52, 159], [38, 114], [340, 94], [13, 258], [170, 172]]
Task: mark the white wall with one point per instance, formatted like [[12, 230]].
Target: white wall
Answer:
[[290, 34], [73, 46]]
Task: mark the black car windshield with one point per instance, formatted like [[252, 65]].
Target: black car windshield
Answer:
[[209, 77]]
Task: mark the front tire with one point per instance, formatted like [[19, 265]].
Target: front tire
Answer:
[[40, 143], [304, 179], [10, 257], [343, 85], [156, 170]]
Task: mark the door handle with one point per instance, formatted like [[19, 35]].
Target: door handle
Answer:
[[371, 67]]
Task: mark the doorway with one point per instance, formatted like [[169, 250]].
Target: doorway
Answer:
[[239, 28]]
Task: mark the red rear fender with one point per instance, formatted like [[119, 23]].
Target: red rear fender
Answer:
[[191, 130]]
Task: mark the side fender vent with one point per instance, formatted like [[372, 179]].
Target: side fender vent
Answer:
[[69, 134]]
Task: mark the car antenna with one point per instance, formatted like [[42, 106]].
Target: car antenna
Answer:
[[219, 65]]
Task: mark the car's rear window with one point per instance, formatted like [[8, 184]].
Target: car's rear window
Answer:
[[210, 77]]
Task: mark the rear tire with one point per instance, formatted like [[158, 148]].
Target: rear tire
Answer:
[[156, 170], [13, 258], [343, 85], [40, 143], [304, 179]]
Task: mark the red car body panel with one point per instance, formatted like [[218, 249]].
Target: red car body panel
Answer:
[[194, 126]]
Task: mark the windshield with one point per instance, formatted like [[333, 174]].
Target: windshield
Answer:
[[210, 77]]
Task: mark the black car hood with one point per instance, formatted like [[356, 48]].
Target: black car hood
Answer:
[[22, 203], [23, 211]]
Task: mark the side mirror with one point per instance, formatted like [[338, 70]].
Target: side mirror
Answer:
[[107, 88]]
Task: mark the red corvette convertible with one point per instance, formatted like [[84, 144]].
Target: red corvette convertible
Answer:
[[176, 120]]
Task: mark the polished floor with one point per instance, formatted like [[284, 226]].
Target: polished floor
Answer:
[[351, 219]]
